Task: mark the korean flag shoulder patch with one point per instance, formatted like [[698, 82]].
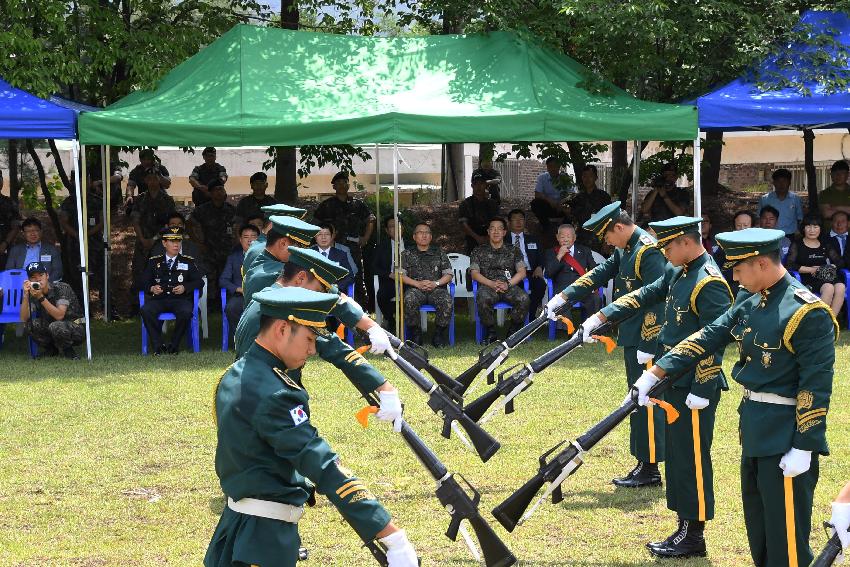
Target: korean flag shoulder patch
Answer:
[[298, 414]]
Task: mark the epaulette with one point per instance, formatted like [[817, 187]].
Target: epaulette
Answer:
[[806, 295], [187, 257], [157, 256], [713, 271], [646, 239]]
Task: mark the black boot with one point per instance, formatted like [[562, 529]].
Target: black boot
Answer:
[[415, 335], [70, 353], [490, 335], [441, 337], [688, 541], [653, 545], [644, 474], [45, 351]]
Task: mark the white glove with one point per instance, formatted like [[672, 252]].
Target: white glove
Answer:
[[643, 357], [795, 462], [590, 324], [841, 522], [695, 402], [400, 552], [643, 384], [553, 304], [379, 339], [390, 409]]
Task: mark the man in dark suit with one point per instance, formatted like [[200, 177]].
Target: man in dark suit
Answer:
[[34, 250], [568, 261], [326, 245], [384, 266], [169, 281], [532, 255], [231, 277], [838, 236]]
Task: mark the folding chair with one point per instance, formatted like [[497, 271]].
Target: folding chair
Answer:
[[192, 337], [12, 286], [479, 329], [225, 325]]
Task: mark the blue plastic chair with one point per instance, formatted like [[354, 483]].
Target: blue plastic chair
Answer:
[[12, 284], [846, 275], [193, 337], [349, 333], [479, 330], [225, 325], [427, 308]]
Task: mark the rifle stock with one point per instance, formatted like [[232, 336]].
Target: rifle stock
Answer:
[[830, 552]]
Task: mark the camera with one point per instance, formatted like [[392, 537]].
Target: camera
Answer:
[[36, 286]]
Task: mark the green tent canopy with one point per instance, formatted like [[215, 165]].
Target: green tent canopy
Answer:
[[263, 86]]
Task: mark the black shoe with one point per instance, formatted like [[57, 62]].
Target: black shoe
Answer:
[[303, 554], [49, 350], [171, 349], [490, 335], [653, 545], [415, 336], [644, 474], [158, 350], [70, 353], [687, 541], [441, 337]]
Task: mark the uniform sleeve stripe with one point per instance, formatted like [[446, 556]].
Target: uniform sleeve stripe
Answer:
[[347, 485], [352, 490]]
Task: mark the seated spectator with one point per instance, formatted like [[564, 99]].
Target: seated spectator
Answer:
[[148, 162], [788, 206], [741, 221], [744, 219], [34, 250], [666, 200], [586, 202], [426, 273], [384, 268], [187, 247], [204, 175], [326, 245], [769, 218], [169, 283], [9, 222], [231, 277], [818, 264], [836, 197], [258, 221], [150, 213], [708, 241], [532, 256], [549, 193], [475, 212], [211, 226], [51, 313], [499, 271], [838, 236], [494, 179], [567, 262], [249, 205]]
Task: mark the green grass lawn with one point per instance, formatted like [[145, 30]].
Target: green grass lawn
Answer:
[[111, 462]]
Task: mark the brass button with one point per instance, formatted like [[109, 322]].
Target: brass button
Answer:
[[749, 358]]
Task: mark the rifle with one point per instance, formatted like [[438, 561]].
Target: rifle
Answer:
[[418, 357], [449, 406], [460, 505], [495, 354], [555, 471], [830, 551], [523, 376]]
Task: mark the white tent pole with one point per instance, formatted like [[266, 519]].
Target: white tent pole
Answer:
[[79, 154], [635, 176], [399, 322], [697, 179], [378, 191], [107, 222]]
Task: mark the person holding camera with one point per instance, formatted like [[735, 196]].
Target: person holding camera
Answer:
[[169, 282], [52, 313]]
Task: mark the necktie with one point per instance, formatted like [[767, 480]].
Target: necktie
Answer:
[[842, 239], [170, 263], [327, 254]]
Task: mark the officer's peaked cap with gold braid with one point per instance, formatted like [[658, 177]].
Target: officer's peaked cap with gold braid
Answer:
[[748, 243], [667, 230], [300, 305], [295, 229], [173, 233], [599, 222], [281, 209], [323, 269]]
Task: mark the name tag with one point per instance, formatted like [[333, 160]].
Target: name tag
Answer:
[[46, 257], [91, 221], [532, 246], [182, 266]]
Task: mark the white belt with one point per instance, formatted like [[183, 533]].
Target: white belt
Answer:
[[266, 509], [768, 398]]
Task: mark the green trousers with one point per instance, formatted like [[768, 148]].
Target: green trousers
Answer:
[[776, 508], [690, 476], [646, 441], [241, 540]]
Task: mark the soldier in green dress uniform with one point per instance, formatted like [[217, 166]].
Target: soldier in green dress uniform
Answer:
[[258, 245], [635, 262], [309, 269], [785, 338], [270, 457], [693, 293]]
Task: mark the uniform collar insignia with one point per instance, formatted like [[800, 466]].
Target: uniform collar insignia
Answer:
[[286, 379]]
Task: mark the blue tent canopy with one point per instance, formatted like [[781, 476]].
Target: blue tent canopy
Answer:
[[742, 105], [23, 115]]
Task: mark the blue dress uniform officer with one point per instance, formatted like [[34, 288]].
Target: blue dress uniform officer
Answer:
[[258, 245], [269, 455], [169, 282], [635, 263], [693, 293], [786, 345]]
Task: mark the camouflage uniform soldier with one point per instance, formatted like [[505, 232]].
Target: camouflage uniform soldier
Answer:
[[211, 226], [498, 269], [150, 214], [52, 313], [426, 271]]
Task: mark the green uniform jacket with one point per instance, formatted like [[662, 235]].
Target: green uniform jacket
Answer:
[[637, 264], [263, 272], [785, 338], [268, 448], [252, 252], [693, 296]]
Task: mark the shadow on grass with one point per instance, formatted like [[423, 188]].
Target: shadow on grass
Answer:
[[626, 500]]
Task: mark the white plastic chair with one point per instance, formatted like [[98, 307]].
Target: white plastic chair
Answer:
[[202, 306], [460, 265]]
